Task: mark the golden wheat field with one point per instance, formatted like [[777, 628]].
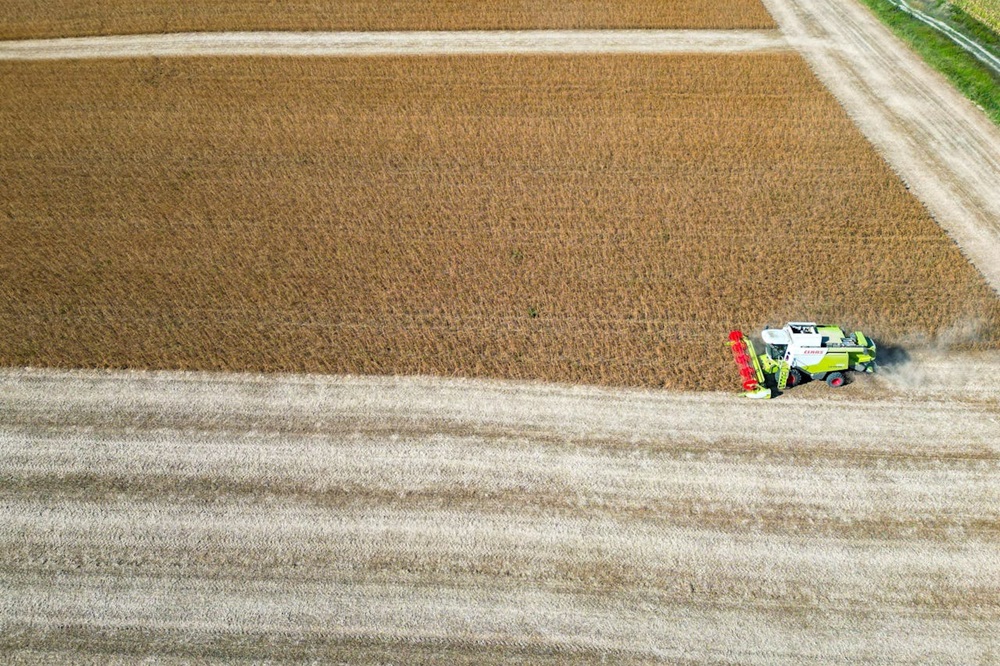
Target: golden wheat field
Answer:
[[601, 220], [32, 18]]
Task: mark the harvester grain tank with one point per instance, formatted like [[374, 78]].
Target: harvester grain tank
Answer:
[[800, 351]]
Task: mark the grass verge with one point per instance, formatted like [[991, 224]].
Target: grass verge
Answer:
[[974, 79]]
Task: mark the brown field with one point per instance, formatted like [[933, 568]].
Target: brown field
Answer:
[[583, 219], [32, 18]]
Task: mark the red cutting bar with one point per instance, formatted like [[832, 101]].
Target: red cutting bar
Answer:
[[742, 358]]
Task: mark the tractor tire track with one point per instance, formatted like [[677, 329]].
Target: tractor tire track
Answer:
[[393, 43]]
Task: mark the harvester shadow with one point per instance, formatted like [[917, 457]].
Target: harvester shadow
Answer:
[[888, 357], [891, 356]]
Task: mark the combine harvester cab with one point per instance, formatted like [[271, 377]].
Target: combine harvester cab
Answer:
[[799, 351]]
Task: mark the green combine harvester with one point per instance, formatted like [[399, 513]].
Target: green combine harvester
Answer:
[[799, 351]]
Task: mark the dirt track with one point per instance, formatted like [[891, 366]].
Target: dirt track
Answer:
[[198, 515], [395, 43]]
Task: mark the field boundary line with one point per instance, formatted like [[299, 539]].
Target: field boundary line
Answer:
[[393, 43]]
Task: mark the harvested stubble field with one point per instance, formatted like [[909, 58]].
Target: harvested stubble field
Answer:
[[207, 517], [583, 219], [32, 18]]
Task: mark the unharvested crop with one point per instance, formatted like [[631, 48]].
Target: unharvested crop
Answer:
[[597, 219], [33, 18], [986, 11]]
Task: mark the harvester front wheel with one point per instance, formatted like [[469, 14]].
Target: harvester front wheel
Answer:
[[835, 379], [794, 378]]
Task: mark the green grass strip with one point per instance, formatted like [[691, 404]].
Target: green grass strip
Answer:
[[974, 79]]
